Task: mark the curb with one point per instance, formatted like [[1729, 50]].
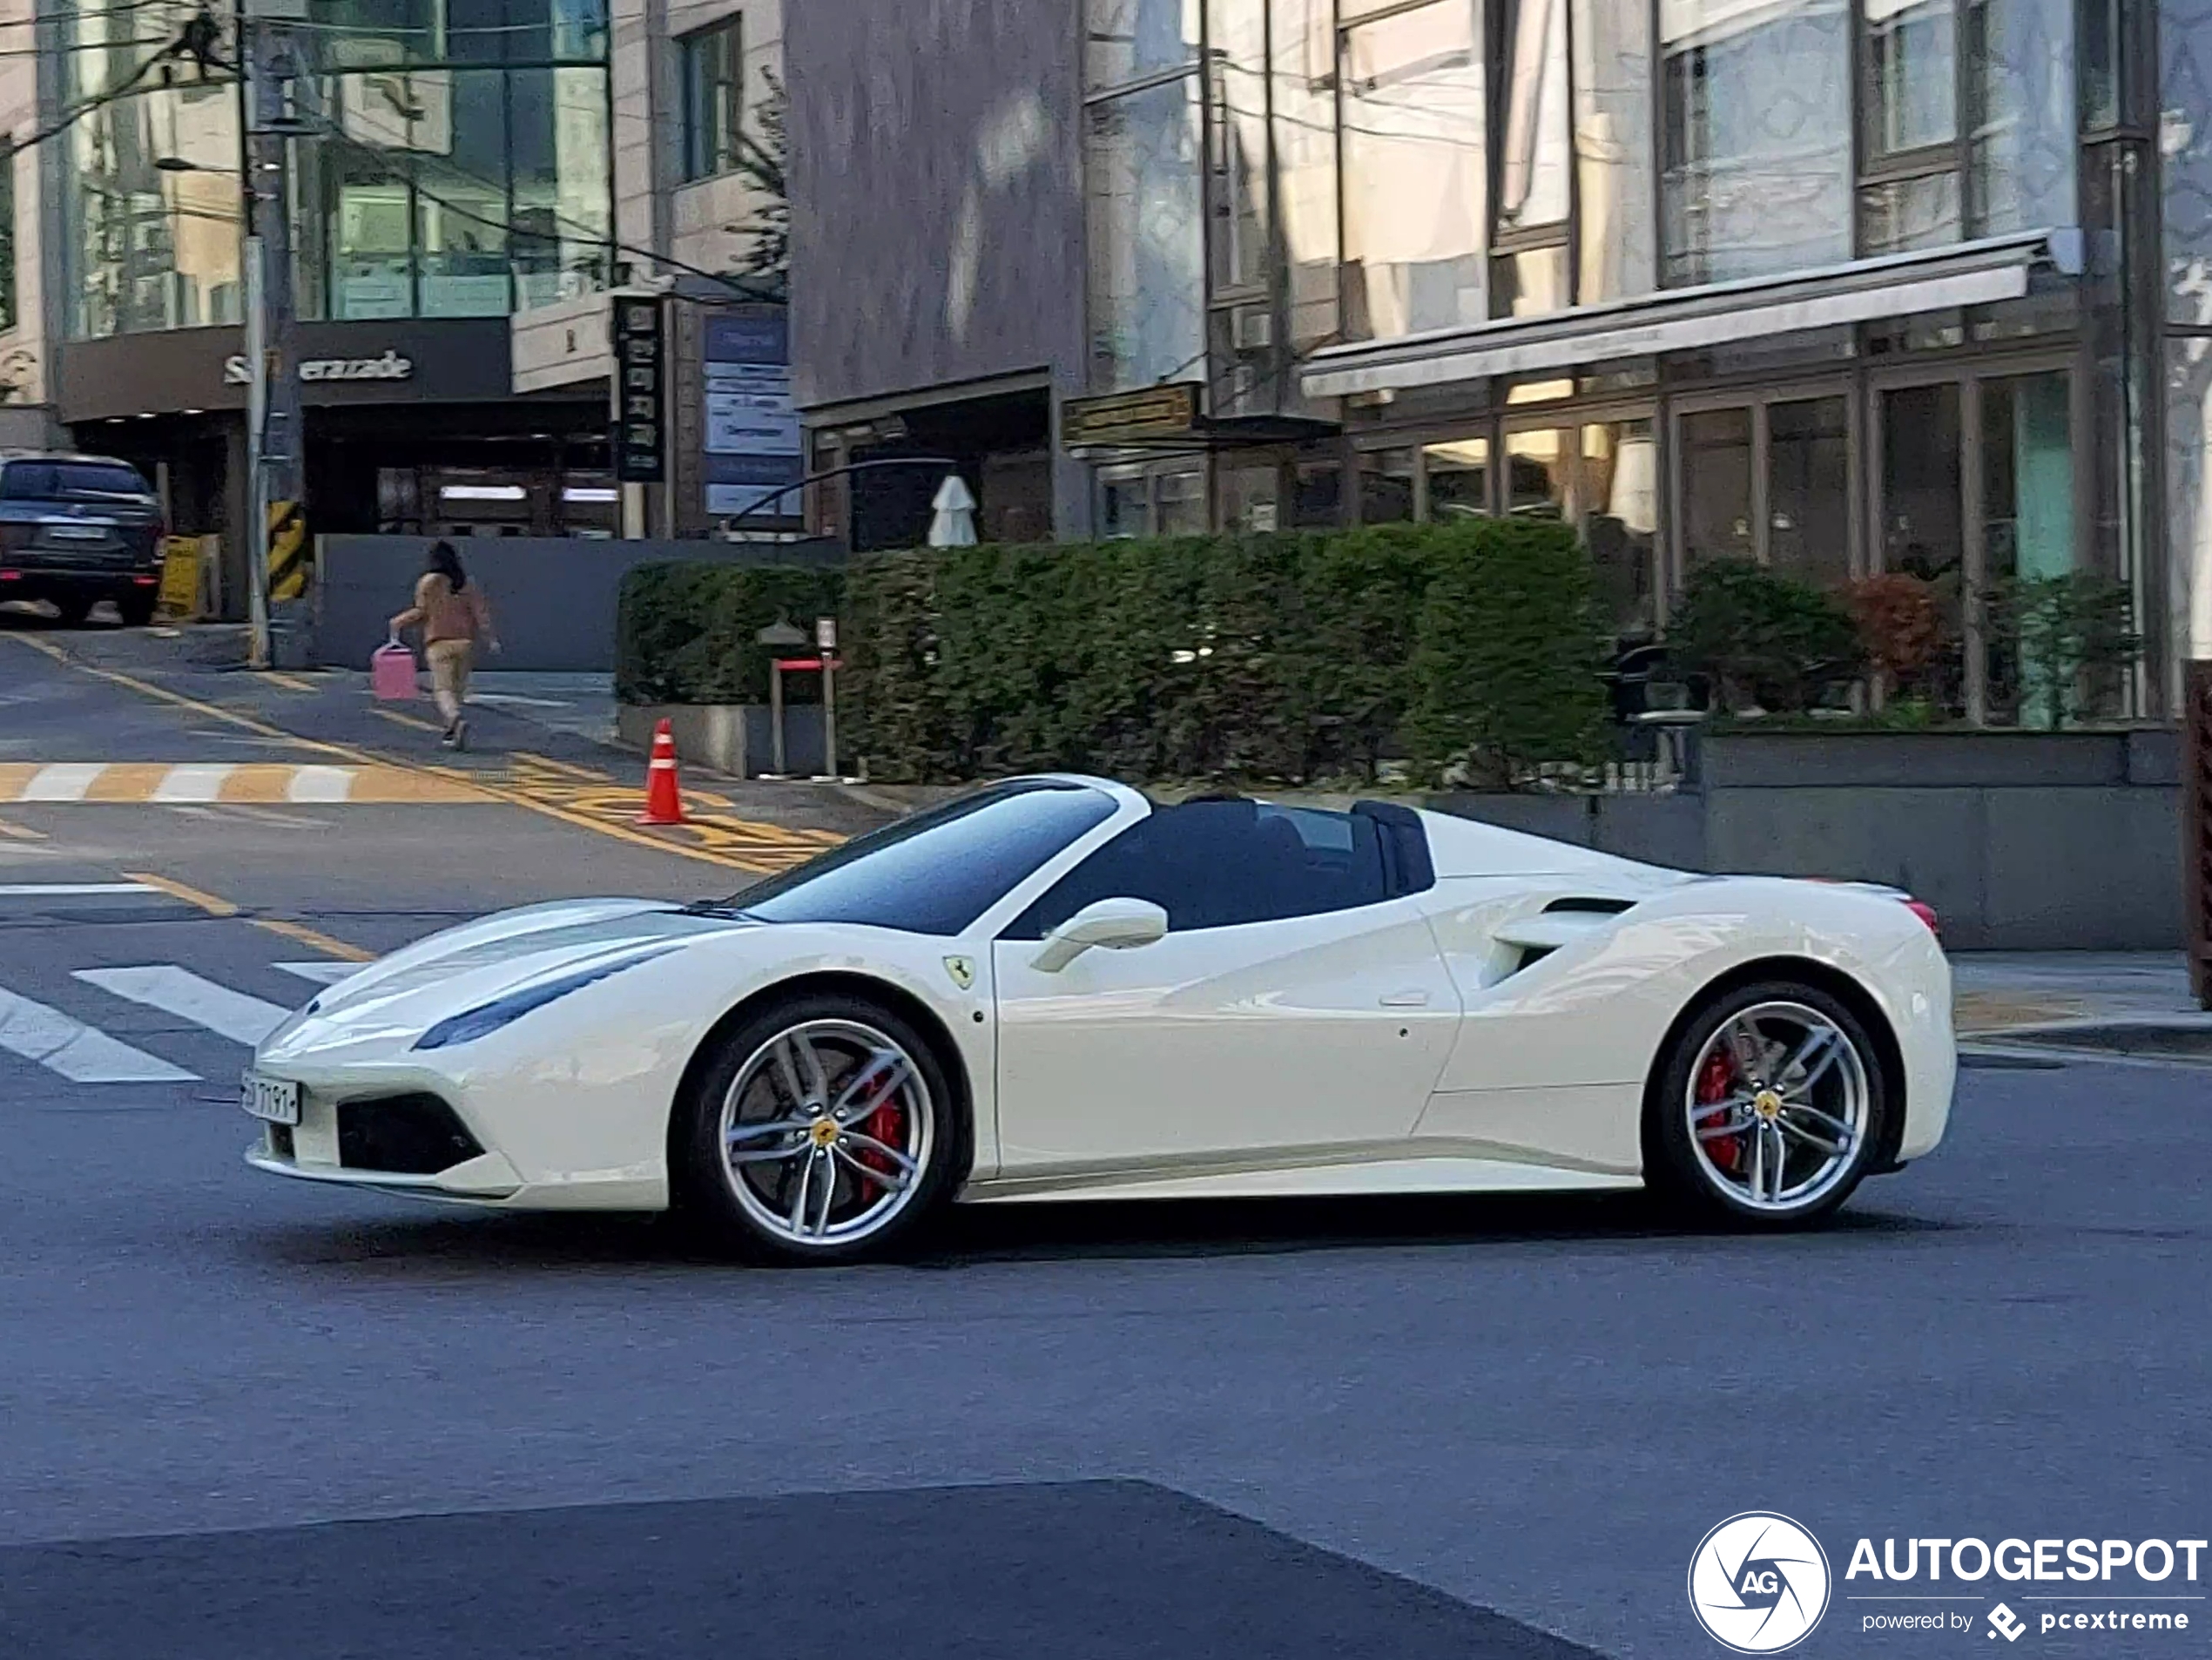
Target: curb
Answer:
[[2188, 1037]]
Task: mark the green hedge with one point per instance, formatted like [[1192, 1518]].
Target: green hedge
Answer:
[[686, 633], [1470, 646]]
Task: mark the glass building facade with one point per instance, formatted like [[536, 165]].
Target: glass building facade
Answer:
[[1402, 184], [457, 166]]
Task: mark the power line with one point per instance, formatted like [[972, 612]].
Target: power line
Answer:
[[574, 231], [78, 112]]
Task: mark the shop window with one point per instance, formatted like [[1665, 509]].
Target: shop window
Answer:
[[1385, 486], [1415, 130], [2027, 515], [1459, 478], [1124, 505], [1618, 493], [1717, 464], [1179, 502], [1757, 138], [1808, 494], [1923, 514], [713, 72], [1317, 496], [1539, 473], [1252, 498]]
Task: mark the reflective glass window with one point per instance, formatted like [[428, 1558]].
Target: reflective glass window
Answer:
[[463, 231], [714, 68], [1130, 40], [1539, 473], [1459, 478], [1147, 244], [1758, 126], [1415, 130], [1897, 214], [1533, 161], [1243, 210], [2023, 152], [1911, 76], [1305, 165], [1612, 83], [558, 124]]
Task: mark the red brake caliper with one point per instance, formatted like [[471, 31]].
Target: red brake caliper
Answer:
[[1715, 1080], [883, 1125]]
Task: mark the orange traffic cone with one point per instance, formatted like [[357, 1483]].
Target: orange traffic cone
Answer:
[[663, 800]]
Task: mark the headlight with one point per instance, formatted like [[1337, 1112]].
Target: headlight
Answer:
[[487, 1018]]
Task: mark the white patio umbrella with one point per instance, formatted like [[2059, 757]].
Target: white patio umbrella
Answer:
[[953, 522]]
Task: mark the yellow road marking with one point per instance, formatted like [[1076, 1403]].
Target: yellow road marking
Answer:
[[21, 833], [314, 938], [289, 682], [552, 765], [756, 865], [127, 781], [207, 902]]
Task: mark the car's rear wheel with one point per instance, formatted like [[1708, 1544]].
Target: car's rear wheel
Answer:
[[135, 607], [1767, 1108], [72, 609], [823, 1128]]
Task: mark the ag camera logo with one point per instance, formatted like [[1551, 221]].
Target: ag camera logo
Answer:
[[1759, 1583]]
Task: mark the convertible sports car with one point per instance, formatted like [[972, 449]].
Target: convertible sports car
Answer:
[[1053, 989]]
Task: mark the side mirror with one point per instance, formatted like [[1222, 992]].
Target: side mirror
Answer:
[[1117, 924]]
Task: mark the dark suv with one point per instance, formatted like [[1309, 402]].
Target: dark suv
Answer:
[[76, 530]]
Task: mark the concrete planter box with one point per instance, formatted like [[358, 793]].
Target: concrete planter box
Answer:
[[731, 738], [2020, 840]]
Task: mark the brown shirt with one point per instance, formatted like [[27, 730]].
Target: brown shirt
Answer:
[[446, 615]]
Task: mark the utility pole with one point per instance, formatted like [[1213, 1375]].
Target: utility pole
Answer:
[[270, 61]]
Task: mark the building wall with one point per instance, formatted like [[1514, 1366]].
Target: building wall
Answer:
[[935, 160], [25, 369]]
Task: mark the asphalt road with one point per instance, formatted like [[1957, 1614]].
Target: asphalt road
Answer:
[[243, 1418]]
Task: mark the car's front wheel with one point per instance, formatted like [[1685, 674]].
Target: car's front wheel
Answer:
[[822, 1128], [1767, 1108]]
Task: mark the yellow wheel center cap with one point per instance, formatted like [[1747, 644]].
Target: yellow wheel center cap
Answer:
[[824, 1131], [1767, 1104]]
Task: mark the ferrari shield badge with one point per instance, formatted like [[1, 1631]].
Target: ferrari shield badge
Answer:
[[962, 970]]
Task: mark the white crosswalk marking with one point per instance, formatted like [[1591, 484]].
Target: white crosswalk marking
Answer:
[[180, 992], [196, 782], [60, 890], [80, 1052], [320, 784], [62, 781], [323, 973]]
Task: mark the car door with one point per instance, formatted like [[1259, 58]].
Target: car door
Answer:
[[1296, 1007]]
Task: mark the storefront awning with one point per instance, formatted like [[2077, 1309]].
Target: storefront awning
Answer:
[[1971, 274]]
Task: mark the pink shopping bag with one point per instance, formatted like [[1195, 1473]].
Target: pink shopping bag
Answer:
[[391, 673]]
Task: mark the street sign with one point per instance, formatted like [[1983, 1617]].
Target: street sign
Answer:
[[641, 369], [825, 633]]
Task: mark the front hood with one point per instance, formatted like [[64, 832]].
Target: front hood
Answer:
[[448, 973]]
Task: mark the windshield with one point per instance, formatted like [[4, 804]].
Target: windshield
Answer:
[[37, 480], [933, 871]]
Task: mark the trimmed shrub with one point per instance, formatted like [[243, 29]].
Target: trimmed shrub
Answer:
[[687, 632], [1763, 640], [1281, 657]]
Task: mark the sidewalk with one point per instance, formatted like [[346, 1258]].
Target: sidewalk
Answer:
[[2118, 1002]]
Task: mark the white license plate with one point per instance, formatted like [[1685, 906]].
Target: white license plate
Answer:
[[275, 1099], [74, 531]]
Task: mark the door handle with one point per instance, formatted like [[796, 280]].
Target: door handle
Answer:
[[1405, 1000]]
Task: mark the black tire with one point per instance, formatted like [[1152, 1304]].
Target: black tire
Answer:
[[71, 608], [1676, 1169], [135, 607], [704, 1183]]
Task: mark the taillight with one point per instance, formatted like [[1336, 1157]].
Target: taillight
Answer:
[[1925, 912]]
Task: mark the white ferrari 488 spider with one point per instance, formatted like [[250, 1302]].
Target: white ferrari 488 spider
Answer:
[[1053, 989]]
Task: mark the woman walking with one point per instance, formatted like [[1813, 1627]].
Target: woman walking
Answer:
[[454, 617]]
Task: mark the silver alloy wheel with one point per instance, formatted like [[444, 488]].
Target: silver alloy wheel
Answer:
[[1790, 1116], [826, 1132]]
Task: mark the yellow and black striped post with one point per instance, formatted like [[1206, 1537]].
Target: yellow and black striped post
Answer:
[[288, 551]]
